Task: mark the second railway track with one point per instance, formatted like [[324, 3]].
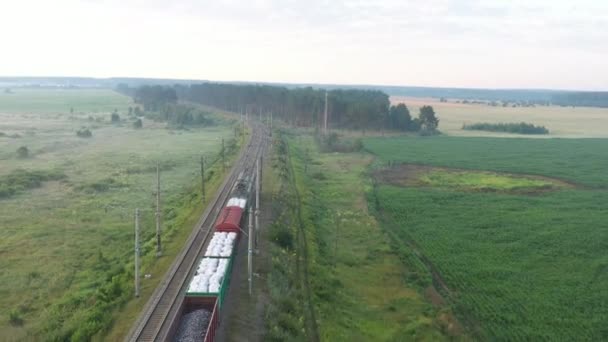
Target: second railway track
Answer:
[[161, 309]]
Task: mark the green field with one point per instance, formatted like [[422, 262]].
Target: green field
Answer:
[[60, 101], [66, 245], [515, 267], [357, 283]]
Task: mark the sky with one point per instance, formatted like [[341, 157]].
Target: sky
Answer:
[[551, 44]]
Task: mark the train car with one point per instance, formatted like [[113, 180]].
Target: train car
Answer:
[[209, 283], [200, 317], [229, 219]]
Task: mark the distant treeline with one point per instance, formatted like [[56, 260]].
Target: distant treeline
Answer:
[[302, 107], [519, 128], [582, 99], [352, 108], [160, 104]]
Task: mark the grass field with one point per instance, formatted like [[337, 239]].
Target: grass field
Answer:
[[60, 101], [66, 246], [358, 283], [515, 267], [579, 122]]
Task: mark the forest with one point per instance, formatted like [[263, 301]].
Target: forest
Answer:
[[301, 107]]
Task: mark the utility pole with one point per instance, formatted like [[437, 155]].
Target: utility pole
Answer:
[[257, 201], [223, 157], [325, 120], [203, 177], [137, 252], [159, 251], [250, 250]]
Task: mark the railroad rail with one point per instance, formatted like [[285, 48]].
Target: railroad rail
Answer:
[[162, 308]]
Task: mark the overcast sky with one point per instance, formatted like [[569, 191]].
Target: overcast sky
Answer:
[[456, 43]]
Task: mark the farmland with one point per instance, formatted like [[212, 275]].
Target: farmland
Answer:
[[516, 265], [67, 241], [571, 122]]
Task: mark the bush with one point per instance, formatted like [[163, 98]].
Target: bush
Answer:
[[283, 238], [138, 124], [519, 128], [15, 317], [20, 180], [84, 133], [115, 118], [23, 152]]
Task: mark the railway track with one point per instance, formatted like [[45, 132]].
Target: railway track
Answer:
[[162, 308]]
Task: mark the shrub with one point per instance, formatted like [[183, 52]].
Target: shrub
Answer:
[[15, 317], [138, 124], [519, 128], [23, 152], [284, 238], [20, 180], [84, 133], [115, 118]]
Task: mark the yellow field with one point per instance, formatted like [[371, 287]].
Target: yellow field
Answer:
[[567, 122]]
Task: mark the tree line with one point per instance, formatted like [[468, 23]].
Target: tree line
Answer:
[[582, 99], [519, 128], [303, 107]]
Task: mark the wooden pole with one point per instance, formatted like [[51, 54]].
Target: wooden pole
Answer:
[[203, 177], [137, 252], [325, 120], [223, 157], [257, 201], [250, 251], [157, 214]]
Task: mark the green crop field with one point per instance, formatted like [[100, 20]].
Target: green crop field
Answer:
[[515, 266], [66, 225]]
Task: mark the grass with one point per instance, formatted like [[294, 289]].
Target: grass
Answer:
[[60, 101], [577, 160], [515, 267], [358, 283], [482, 181], [66, 245]]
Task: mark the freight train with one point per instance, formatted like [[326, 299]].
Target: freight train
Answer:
[[204, 297]]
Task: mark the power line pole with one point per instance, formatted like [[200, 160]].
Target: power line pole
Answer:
[[223, 157], [137, 252], [203, 177], [257, 201], [325, 120], [158, 242], [250, 250]]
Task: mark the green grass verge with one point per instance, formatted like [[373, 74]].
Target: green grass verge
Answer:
[[357, 282]]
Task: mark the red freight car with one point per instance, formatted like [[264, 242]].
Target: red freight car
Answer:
[[229, 220]]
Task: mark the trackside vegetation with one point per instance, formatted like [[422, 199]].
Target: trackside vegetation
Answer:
[[519, 128], [355, 285], [67, 209], [514, 266]]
